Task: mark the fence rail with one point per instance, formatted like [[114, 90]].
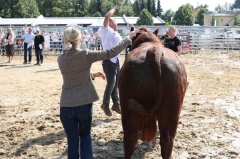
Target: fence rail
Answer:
[[194, 39]]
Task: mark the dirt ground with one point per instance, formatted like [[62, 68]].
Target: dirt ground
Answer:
[[208, 127]]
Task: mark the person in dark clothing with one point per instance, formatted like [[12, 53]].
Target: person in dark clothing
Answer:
[[173, 42], [39, 44]]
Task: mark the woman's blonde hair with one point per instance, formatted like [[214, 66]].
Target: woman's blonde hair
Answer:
[[72, 37], [10, 29]]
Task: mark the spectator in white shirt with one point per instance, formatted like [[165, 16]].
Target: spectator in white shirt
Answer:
[[35, 29], [28, 41], [25, 29]]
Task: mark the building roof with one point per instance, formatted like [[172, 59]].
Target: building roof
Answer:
[[219, 14], [196, 10], [82, 21]]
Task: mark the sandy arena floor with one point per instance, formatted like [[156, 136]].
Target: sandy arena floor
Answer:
[[209, 126]]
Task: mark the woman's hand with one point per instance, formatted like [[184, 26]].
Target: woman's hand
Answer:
[[133, 33], [98, 74]]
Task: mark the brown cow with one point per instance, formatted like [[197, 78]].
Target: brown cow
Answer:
[[152, 85]]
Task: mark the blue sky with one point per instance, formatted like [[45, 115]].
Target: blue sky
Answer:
[[175, 4]]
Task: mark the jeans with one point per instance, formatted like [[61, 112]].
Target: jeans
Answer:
[[39, 55], [77, 125], [111, 71], [25, 53]]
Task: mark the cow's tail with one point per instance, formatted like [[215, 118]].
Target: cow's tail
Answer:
[[154, 58]]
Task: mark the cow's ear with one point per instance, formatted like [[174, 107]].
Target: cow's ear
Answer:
[[156, 32], [132, 28]]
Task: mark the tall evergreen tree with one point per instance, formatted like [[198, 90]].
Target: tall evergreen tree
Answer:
[[149, 8], [159, 9], [142, 5], [153, 8], [136, 8]]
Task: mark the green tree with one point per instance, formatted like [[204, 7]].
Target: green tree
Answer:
[[149, 6], [236, 22], [168, 15], [145, 18], [97, 14], [80, 8], [95, 6], [142, 5], [47, 6], [136, 8], [227, 6], [99, 6], [126, 10], [159, 9], [26, 9], [200, 16], [220, 9], [236, 4], [184, 15], [154, 11], [6, 8], [127, 2]]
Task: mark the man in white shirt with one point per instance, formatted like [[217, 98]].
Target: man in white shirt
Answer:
[[110, 38], [35, 29], [27, 45], [86, 38], [25, 29]]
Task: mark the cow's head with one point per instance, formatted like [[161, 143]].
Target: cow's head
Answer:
[[144, 35]]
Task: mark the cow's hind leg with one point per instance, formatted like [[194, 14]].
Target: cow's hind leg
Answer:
[[131, 133], [167, 135]]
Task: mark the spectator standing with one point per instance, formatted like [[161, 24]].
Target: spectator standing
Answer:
[[78, 92], [173, 42], [92, 42], [98, 42], [25, 29], [86, 38], [35, 29], [110, 37], [10, 44], [19, 42], [39, 45], [2, 34], [27, 45]]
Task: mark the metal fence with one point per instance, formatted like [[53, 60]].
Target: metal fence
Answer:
[[194, 39]]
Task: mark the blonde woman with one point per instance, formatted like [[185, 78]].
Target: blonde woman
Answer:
[[78, 92], [10, 44]]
